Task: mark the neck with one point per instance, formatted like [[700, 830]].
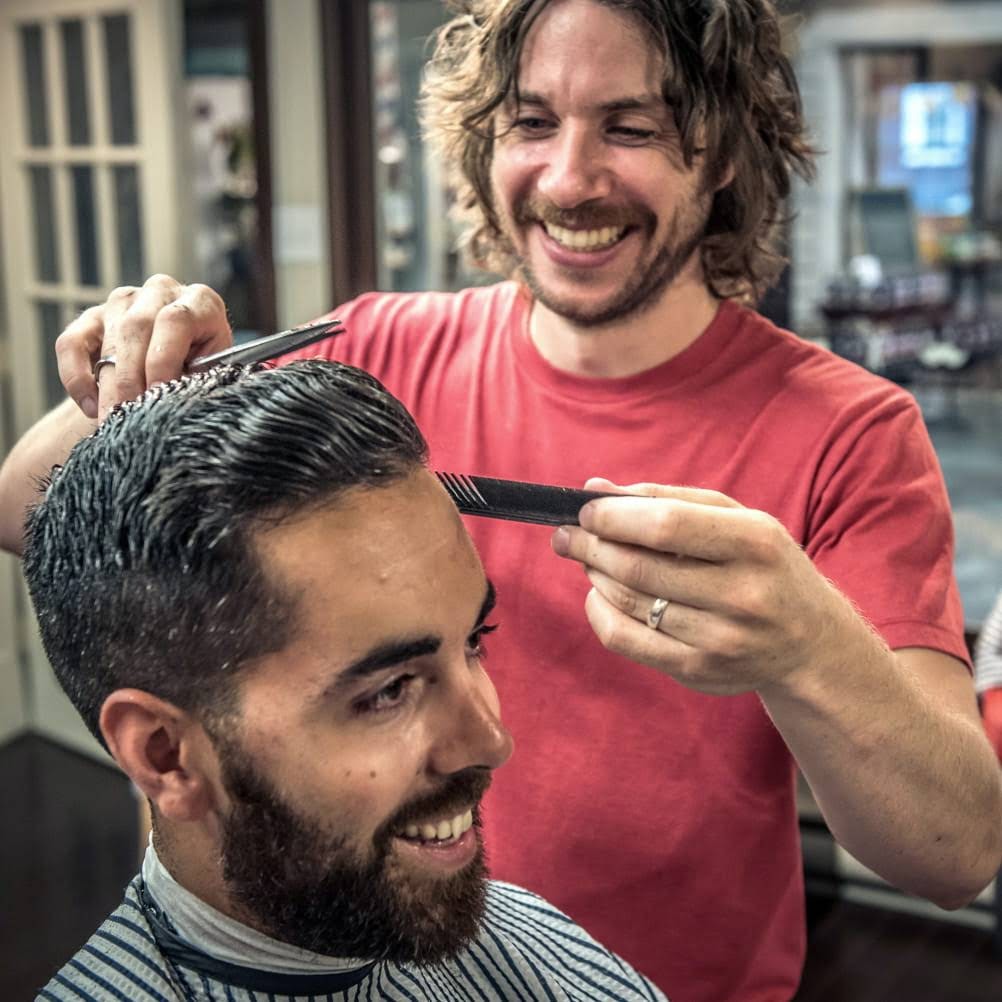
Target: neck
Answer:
[[222, 935], [629, 345]]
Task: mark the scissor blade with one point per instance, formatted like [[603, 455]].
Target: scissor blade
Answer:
[[271, 346]]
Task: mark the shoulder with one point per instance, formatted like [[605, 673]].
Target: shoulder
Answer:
[[421, 314], [543, 946], [120, 960], [822, 386]]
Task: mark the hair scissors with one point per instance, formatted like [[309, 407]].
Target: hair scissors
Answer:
[[271, 346]]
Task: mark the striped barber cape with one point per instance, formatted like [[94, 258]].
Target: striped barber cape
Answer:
[[526, 950]]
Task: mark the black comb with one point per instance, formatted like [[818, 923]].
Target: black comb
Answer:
[[516, 500]]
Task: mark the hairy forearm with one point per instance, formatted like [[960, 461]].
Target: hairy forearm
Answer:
[[46, 443], [892, 748]]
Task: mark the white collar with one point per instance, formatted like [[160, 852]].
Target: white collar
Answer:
[[225, 938]]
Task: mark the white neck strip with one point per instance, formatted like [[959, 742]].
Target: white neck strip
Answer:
[[225, 938]]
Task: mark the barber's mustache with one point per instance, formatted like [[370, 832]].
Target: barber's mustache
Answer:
[[456, 794], [588, 215]]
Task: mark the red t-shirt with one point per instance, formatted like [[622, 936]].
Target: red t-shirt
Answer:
[[663, 820]]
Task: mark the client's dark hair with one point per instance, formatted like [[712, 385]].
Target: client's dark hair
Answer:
[[140, 558]]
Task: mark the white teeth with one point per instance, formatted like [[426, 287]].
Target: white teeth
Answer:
[[442, 830], [585, 239]]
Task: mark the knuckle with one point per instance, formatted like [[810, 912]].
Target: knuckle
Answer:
[[160, 280], [636, 570], [122, 292], [609, 633], [665, 524], [78, 386], [628, 600], [91, 315], [66, 342], [754, 598], [769, 534], [727, 641], [205, 296]]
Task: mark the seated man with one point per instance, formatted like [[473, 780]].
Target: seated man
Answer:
[[267, 609]]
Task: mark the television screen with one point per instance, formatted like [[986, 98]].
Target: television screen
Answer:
[[925, 143]]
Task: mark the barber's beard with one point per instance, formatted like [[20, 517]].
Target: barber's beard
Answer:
[[646, 285], [301, 883]]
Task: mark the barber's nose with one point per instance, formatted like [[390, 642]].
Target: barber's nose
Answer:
[[471, 732], [575, 170]]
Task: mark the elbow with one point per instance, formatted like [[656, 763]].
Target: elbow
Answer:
[[954, 899], [968, 881]]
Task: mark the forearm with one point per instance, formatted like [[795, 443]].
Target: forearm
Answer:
[[45, 444], [906, 780]]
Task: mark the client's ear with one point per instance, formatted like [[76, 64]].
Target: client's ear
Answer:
[[162, 749]]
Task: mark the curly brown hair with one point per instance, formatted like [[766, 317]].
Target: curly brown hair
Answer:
[[727, 80]]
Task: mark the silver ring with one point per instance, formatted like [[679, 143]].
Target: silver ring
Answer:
[[657, 611], [101, 362]]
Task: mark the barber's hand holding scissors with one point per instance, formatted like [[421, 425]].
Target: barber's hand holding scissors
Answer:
[[716, 595], [138, 337]]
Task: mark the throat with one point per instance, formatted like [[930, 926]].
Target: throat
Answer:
[[625, 347]]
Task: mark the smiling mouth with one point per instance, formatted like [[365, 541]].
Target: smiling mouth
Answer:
[[597, 239], [438, 831]]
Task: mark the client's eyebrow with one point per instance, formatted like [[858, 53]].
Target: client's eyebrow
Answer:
[[395, 652]]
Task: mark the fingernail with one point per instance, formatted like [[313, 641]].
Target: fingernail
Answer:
[[89, 407], [561, 542]]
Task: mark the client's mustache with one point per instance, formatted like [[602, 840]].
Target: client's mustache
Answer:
[[456, 794]]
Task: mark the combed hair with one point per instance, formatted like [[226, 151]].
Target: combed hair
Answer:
[[727, 80], [140, 558]]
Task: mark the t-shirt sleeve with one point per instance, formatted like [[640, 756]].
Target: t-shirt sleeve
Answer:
[[881, 527]]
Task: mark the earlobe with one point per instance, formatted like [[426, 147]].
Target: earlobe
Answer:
[[161, 748], [726, 177]]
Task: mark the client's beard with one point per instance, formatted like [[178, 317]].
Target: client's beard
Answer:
[[300, 883]]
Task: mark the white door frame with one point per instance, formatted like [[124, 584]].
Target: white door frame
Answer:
[[158, 153]]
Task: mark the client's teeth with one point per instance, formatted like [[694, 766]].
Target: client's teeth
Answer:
[[444, 829], [428, 831], [411, 831]]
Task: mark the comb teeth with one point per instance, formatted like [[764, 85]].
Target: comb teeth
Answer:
[[515, 500], [463, 491]]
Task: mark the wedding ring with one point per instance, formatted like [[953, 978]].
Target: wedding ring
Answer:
[[101, 362], [657, 611]]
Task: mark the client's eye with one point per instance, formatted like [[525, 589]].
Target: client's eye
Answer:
[[475, 647], [392, 695]]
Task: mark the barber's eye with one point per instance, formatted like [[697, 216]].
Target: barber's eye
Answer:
[[631, 135], [475, 647], [531, 124]]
